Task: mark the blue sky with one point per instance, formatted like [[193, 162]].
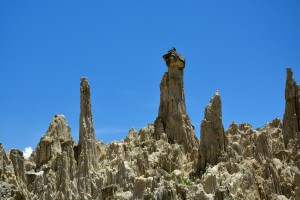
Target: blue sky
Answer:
[[240, 48]]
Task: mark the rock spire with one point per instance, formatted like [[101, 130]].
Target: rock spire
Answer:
[[212, 141], [173, 119], [87, 145], [87, 140], [291, 118]]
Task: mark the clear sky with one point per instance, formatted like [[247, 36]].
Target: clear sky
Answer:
[[240, 48]]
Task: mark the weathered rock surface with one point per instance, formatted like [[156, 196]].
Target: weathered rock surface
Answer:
[[162, 160], [87, 149], [12, 171], [212, 142], [173, 119], [51, 174], [291, 118]]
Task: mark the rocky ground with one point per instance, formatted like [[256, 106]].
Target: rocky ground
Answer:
[[164, 160]]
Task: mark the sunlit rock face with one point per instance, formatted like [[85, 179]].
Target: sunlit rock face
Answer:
[[50, 144], [173, 119], [52, 166], [162, 160], [87, 161], [87, 145], [212, 142]]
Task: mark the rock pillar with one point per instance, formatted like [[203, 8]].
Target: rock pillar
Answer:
[[291, 118], [212, 140], [173, 119], [87, 145]]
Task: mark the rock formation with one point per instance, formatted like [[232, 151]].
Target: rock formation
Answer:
[[212, 142], [173, 119], [162, 160], [54, 164], [291, 118], [87, 145], [12, 175]]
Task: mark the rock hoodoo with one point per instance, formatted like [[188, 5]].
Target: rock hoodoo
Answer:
[[291, 118], [173, 119], [212, 141]]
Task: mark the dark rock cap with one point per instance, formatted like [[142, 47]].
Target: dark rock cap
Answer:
[[174, 59]]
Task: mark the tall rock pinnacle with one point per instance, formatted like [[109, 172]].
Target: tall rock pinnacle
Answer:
[[291, 118], [212, 140], [87, 145], [86, 125], [172, 116]]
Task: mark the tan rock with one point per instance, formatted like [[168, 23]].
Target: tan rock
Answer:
[[4, 162], [17, 158], [51, 143], [212, 141], [173, 119], [55, 163], [87, 153], [159, 161], [291, 118]]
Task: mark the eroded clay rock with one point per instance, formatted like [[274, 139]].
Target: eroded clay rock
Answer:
[[173, 119], [291, 118], [17, 158], [55, 164], [157, 162], [12, 175], [87, 144], [212, 141], [50, 144], [87, 150], [4, 162]]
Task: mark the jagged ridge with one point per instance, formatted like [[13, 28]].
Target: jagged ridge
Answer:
[[163, 160]]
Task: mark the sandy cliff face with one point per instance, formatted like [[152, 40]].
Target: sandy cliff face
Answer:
[[163, 160]]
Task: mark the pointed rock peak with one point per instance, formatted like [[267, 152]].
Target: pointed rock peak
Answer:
[[216, 98], [233, 128], [86, 125], [217, 93], [84, 88], [174, 59], [233, 123], [214, 109], [276, 123], [58, 134], [59, 128], [213, 141], [289, 73], [84, 81], [87, 144]]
